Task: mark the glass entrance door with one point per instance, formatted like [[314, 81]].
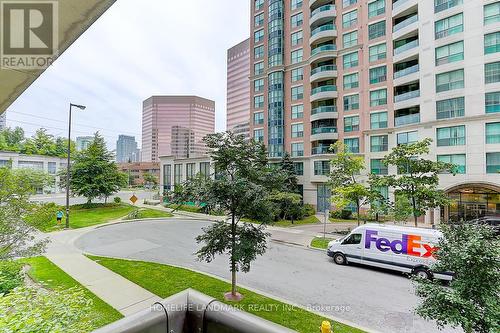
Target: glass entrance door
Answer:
[[323, 198]]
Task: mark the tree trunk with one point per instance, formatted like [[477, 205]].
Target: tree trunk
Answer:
[[414, 204], [357, 211], [233, 260]]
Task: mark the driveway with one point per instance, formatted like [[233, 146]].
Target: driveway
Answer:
[[380, 300]]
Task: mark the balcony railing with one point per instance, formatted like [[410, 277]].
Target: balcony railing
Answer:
[[450, 31], [323, 89], [446, 5], [323, 68], [406, 96], [406, 47], [405, 23], [322, 149], [407, 71], [322, 9], [325, 27], [406, 120], [326, 47], [399, 3], [322, 109], [325, 129]]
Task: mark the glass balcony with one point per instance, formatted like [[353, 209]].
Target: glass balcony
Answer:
[[326, 47], [322, 9], [325, 27], [323, 69], [407, 96], [406, 120], [407, 71], [323, 89], [405, 23], [322, 149], [406, 47], [322, 130], [399, 3], [322, 109]]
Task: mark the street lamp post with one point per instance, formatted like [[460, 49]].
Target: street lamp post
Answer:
[[68, 167]]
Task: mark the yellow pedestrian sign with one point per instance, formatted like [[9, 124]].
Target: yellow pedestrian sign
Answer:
[[134, 199]]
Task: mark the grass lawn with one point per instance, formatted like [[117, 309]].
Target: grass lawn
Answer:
[[320, 242], [81, 216], [145, 213], [305, 220], [186, 208], [164, 281], [334, 220], [46, 273]]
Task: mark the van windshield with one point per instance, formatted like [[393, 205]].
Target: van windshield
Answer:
[[352, 239]]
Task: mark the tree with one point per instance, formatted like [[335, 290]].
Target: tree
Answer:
[[402, 208], [41, 143], [150, 179], [239, 188], [288, 203], [470, 301], [94, 173], [418, 177], [347, 188], [288, 173]]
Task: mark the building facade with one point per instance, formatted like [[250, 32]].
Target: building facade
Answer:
[[238, 88], [82, 142], [126, 149], [175, 125], [137, 171]]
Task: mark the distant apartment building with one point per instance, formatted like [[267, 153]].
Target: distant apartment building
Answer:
[[136, 171], [176, 125], [238, 88], [82, 142], [126, 149], [3, 120]]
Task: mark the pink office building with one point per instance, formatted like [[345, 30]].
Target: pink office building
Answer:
[[175, 126], [238, 88]]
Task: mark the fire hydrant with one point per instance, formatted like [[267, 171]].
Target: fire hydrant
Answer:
[[326, 327]]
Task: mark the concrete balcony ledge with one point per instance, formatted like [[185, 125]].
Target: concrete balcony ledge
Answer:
[[401, 5], [324, 32], [324, 115], [404, 28], [324, 136], [323, 72], [324, 92]]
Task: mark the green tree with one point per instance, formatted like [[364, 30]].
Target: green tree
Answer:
[[402, 209], [94, 173], [470, 301], [12, 139], [288, 173], [41, 143], [150, 179], [288, 203], [418, 177]]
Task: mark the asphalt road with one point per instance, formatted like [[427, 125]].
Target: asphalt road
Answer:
[[380, 300], [60, 198]]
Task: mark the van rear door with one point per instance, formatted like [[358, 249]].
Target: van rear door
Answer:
[[352, 247]]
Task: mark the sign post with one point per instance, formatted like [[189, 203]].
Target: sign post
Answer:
[[327, 214]]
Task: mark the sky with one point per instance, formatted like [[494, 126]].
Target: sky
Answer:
[[134, 50]]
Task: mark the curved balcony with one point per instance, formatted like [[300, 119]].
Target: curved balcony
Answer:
[[321, 149], [324, 133], [323, 14], [323, 92], [323, 52], [316, 3], [322, 33], [324, 112], [323, 72]]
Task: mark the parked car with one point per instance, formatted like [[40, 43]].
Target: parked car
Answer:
[[404, 249], [493, 221]]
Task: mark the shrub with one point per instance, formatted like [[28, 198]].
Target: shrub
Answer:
[[344, 214], [308, 210], [11, 275], [117, 200], [133, 215]]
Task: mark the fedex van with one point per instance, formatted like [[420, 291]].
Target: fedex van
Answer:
[[404, 249]]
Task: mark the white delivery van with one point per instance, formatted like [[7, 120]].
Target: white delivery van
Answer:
[[405, 249]]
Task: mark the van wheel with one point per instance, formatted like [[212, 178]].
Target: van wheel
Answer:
[[422, 273], [339, 259]]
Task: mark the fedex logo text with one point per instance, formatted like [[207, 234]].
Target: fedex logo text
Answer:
[[409, 244]]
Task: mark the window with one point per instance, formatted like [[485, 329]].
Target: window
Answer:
[[167, 177], [451, 136], [352, 239], [492, 162], [190, 170], [351, 60], [297, 38], [258, 102], [205, 169], [258, 36], [352, 145], [492, 13], [440, 5], [34, 165], [297, 74], [297, 56], [351, 81], [258, 85], [297, 111], [177, 174], [492, 72], [52, 168], [378, 74], [492, 102], [258, 68], [378, 97], [258, 135], [378, 52], [376, 30], [349, 19], [297, 149], [321, 168], [377, 167], [296, 4], [259, 20], [347, 3], [350, 39], [258, 118], [258, 52], [450, 80], [296, 20], [351, 124], [450, 108], [493, 132], [457, 159], [407, 138], [492, 43], [449, 26], [299, 168], [297, 93], [376, 8], [297, 130], [378, 120], [351, 102], [379, 143], [259, 4], [450, 53]]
